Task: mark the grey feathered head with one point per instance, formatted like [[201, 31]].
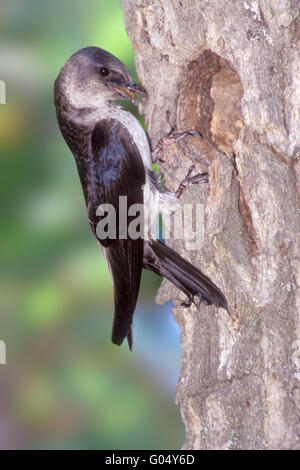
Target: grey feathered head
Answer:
[[92, 76]]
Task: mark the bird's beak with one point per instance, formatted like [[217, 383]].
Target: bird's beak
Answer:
[[130, 91]]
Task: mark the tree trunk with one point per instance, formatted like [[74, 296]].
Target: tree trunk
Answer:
[[232, 71]]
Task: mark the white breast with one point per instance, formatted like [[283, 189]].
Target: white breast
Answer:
[[155, 201], [134, 128]]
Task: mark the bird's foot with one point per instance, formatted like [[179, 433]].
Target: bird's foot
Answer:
[[164, 142], [189, 179], [187, 303]]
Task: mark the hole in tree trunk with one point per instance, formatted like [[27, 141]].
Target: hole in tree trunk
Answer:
[[209, 100]]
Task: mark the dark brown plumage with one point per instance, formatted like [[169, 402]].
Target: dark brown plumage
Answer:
[[113, 159]]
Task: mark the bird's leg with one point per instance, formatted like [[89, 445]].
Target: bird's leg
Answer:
[[188, 180], [190, 300], [167, 140]]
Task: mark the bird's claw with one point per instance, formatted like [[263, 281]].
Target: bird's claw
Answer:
[[188, 180], [187, 303], [172, 136]]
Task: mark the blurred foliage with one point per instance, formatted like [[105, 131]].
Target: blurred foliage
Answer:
[[65, 385]]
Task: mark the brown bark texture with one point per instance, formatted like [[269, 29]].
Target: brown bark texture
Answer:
[[232, 71]]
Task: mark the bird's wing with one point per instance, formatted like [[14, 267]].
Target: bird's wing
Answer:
[[117, 170]]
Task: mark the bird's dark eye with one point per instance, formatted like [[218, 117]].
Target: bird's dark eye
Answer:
[[104, 71]]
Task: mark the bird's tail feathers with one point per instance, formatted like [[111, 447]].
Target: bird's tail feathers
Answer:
[[182, 274]]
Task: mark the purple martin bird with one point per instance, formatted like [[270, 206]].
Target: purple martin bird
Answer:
[[113, 159]]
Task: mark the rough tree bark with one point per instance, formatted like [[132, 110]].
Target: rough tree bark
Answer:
[[232, 71]]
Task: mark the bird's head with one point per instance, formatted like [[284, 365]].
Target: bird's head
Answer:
[[92, 76]]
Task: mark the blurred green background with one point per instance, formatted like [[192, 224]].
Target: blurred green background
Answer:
[[65, 385]]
